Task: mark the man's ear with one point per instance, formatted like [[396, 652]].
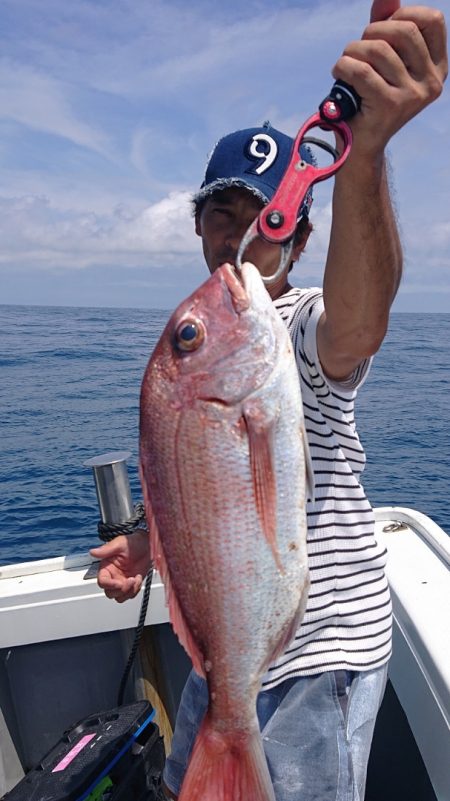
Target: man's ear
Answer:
[[198, 227], [300, 246]]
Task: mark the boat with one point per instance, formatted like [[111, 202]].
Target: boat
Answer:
[[64, 648]]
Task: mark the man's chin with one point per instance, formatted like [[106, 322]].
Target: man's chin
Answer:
[[214, 267]]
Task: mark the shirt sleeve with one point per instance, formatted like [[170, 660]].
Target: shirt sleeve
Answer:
[[312, 312]]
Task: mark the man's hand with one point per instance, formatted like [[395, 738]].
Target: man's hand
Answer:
[[398, 67], [125, 561]]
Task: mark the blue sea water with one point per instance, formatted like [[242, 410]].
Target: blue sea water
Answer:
[[69, 390]]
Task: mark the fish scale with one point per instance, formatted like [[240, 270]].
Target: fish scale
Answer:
[[223, 469]]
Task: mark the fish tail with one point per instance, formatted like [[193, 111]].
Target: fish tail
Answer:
[[227, 768]]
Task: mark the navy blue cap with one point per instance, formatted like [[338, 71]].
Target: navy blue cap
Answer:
[[255, 159]]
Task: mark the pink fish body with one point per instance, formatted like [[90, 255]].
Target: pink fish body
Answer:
[[223, 472]]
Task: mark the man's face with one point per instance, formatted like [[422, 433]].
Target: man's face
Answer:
[[222, 223]]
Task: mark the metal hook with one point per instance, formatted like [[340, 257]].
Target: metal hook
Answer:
[[277, 221], [286, 253]]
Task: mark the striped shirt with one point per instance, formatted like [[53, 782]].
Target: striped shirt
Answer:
[[347, 624]]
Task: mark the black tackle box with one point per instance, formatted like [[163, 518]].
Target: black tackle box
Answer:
[[112, 756]]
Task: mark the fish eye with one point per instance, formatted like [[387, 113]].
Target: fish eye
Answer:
[[189, 334]]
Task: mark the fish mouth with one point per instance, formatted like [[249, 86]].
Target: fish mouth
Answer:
[[244, 284], [236, 285]]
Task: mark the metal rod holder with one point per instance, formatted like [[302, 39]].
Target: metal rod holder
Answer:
[[112, 486]]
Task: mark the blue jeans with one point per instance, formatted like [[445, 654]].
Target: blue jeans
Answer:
[[316, 730]]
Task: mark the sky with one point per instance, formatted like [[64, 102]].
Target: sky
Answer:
[[109, 108]]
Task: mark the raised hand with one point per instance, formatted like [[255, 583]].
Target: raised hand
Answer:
[[398, 67]]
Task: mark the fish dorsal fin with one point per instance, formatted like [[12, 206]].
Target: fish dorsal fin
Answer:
[[177, 618], [260, 440]]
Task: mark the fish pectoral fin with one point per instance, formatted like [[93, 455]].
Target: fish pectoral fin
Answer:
[[260, 439], [176, 615]]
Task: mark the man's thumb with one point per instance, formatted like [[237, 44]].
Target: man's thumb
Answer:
[[112, 548], [383, 9]]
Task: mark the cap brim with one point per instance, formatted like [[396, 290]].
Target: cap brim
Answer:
[[226, 183]]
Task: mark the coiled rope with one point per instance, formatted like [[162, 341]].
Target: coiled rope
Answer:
[[107, 531]]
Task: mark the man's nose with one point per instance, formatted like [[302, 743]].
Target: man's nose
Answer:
[[235, 233]]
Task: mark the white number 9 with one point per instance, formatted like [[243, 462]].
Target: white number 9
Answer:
[[268, 157]]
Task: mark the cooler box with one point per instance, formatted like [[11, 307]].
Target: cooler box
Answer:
[[113, 756]]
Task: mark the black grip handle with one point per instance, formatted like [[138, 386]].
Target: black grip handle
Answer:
[[341, 104]]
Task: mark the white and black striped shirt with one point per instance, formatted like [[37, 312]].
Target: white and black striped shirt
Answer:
[[347, 624]]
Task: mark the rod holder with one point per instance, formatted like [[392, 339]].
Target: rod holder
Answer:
[[112, 486]]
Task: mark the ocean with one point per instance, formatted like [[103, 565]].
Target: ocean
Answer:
[[69, 390]]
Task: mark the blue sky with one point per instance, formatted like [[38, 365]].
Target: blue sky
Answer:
[[108, 109]]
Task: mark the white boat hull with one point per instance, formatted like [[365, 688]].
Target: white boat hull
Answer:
[[63, 647]]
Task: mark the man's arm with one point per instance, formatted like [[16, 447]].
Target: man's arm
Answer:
[[398, 68]]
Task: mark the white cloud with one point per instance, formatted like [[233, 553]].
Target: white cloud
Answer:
[[33, 233]]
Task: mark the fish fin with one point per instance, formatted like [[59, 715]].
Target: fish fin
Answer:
[[227, 768], [291, 630], [310, 481], [264, 481], [176, 615]]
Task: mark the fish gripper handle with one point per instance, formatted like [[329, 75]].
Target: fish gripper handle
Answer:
[[341, 104]]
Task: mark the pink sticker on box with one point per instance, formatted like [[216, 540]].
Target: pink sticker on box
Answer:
[[65, 762]]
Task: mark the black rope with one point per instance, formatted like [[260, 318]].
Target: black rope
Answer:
[[137, 636], [107, 531]]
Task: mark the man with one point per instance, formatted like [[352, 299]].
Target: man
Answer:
[[319, 701]]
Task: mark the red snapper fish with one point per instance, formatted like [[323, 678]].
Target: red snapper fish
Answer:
[[222, 462]]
